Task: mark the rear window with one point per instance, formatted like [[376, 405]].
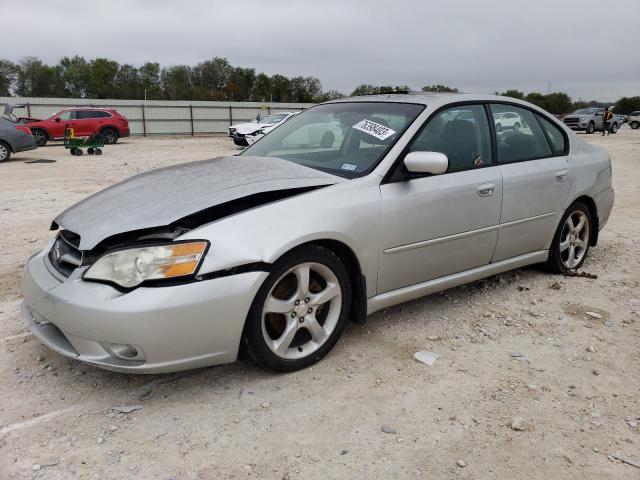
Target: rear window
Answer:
[[520, 140]]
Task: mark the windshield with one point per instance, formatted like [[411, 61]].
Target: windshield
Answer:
[[346, 139], [584, 111], [275, 118]]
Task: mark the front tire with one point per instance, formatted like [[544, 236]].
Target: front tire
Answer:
[[40, 136], [109, 136], [300, 311], [571, 242], [591, 127]]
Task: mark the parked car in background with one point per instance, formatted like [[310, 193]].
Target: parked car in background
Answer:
[[14, 137], [634, 119], [508, 120], [104, 122], [350, 207], [589, 120], [257, 135], [240, 131]]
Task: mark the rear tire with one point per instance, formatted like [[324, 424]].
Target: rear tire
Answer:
[[614, 128], [41, 137], [109, 136], [634, 125], [498, 128], [5, 152], [572, 240], [300, 310]]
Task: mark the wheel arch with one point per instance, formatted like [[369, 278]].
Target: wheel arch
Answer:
[[350, 260], [8, 144], [42, 129], [591, 205]]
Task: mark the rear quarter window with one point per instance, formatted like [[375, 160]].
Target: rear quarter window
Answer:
[[554, 134]]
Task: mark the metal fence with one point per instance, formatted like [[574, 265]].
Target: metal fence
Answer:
[[159, 117]]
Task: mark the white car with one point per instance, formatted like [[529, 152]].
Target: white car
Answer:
[[251, 138], [509, 120], [241, 131]]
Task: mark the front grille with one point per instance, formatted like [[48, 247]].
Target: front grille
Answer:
[[65, 256], [571, 121]]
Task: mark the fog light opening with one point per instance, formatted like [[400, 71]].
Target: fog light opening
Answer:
[[124, 351]]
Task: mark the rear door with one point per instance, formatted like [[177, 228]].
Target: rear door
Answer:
[[86, 122], [433, 226], [536, 182]]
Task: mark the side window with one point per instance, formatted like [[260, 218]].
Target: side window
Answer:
[[86, 114], [68, 115], [461, 133], [555, 135], [522, 138]]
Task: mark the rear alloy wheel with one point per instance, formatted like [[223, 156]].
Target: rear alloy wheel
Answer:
[[571, 242], [41, 137], [614, 128], [591, 127], [498, 128], [516, 127], [109, 136], [5, 152], [300, 310]]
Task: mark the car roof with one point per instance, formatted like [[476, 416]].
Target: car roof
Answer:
[[431, 98], [106, 109]]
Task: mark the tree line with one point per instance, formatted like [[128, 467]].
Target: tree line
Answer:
[[215, 79]]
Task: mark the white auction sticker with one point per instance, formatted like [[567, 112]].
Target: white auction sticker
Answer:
[[374, 129]]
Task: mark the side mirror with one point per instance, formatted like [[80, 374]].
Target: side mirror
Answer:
[[434, 163], [57, 119]]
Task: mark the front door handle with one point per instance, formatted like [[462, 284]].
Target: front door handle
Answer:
[[486, 189], [561, 175]]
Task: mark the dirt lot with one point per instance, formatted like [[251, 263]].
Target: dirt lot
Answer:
[[515, 345]]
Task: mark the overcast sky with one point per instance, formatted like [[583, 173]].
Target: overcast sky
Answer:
[[588, 48]]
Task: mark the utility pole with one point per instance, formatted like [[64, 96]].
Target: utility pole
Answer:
[[549, 88]]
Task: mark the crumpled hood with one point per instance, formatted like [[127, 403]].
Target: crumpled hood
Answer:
[[160, 197]]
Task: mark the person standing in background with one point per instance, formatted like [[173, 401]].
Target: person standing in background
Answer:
[[606, 118]]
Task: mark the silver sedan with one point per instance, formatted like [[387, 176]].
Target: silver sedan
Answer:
[[348, 208]]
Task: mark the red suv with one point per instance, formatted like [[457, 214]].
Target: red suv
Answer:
[[107, 123]]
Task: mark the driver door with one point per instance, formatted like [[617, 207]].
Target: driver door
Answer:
[[437, 225], [61, 122]]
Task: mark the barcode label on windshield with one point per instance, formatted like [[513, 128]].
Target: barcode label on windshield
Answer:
[[374, 129]]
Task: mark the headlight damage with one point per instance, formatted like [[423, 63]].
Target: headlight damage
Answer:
[[130, 267]]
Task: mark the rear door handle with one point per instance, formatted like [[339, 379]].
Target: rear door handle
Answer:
[[486, 189], [561, 175]]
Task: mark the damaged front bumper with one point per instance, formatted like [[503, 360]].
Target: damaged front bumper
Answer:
[[147, 330]]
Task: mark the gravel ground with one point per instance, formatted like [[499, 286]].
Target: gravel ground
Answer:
[[527, 385]]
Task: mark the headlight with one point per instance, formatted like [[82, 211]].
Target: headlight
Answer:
[[129, 268], [584, 119]]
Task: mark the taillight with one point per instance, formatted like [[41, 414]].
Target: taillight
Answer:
[[26, 130]]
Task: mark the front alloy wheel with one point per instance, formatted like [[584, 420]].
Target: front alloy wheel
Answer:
[[300, 311], [591, 127], [40, 137], [571, 242]]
